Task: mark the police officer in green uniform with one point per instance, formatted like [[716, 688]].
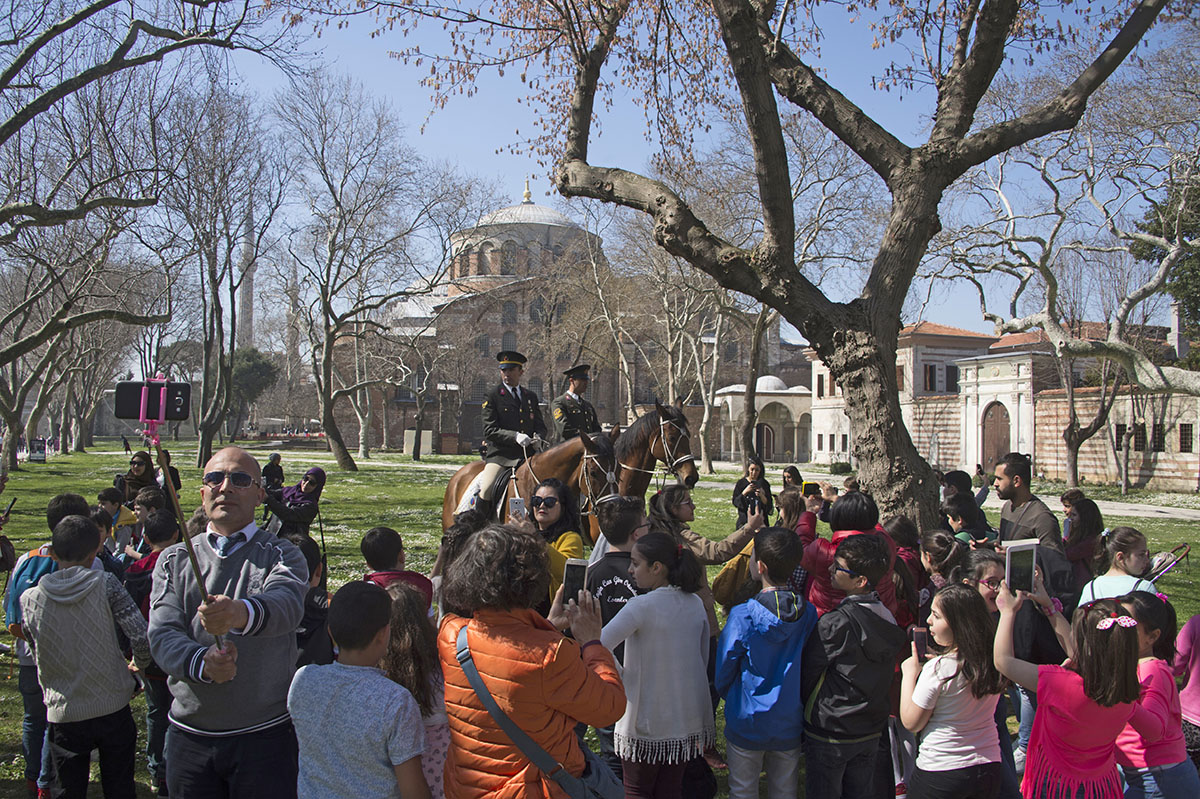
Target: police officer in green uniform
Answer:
[[511, 420], [572, 413]]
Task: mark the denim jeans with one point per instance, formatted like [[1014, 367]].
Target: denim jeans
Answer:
[[249, 766], [1025, 705], [782, 767], [33, 728], [158, 705], [71, 744], [1179, 781], [840, 771], [1010, 786], [972, 782]]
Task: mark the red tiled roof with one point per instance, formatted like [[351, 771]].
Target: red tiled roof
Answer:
[[1015, 340], [934, 329]]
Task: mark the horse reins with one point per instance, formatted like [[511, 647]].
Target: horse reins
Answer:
[[670, 462]]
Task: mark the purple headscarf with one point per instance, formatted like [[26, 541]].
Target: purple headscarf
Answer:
[[294, 495]]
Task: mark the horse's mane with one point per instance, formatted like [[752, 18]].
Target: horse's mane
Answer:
[[644, 427], [601, 441]]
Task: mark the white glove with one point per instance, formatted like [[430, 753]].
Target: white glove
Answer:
[[523, 440]]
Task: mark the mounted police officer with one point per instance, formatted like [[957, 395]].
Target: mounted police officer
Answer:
[[511, 420], [572, 413]]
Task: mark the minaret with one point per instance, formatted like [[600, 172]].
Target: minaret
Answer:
[[245, 331], [527, 197]]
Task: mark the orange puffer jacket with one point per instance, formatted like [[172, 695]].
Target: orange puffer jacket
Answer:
[[543, 681]]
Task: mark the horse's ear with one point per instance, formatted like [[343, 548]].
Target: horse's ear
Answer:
[[615, 433], [662, 412], [588, 444]]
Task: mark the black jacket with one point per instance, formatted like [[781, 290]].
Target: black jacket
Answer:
[[848, 667], [573, 416], [504, 417], [742, 502]]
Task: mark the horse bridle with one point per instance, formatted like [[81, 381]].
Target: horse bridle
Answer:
[[610, 484], [671, 464]]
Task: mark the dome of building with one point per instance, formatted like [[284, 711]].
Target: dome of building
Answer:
[[770, 383], [527, 213]]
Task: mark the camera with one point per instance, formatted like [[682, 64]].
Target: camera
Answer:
[[127, 402]]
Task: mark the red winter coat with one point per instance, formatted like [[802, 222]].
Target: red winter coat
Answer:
[[818, 557]]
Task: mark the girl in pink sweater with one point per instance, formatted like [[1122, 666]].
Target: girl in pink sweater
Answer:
[[1153, 756], [1187, 665], [1082, 707]]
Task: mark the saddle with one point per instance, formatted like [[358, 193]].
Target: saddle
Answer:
[[491, 507]]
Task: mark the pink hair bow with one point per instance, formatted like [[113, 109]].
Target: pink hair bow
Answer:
[[1124, 621]]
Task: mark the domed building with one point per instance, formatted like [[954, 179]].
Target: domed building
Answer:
[[509, 286], [783, 426]]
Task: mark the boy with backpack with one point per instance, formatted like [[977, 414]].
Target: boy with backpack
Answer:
[[757, 658], [376, 750], [848, 666], [383, 549], [68, 620]]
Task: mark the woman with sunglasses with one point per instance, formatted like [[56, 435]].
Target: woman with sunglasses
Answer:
[[556, 518], [140, 475], [296, 508]]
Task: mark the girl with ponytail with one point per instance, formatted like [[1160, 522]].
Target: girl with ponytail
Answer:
[[668, 715]]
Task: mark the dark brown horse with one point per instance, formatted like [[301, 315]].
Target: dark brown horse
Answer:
[[587, 464], [658, 437]]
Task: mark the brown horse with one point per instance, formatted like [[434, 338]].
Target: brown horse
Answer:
[[587, 464], [661, 436]]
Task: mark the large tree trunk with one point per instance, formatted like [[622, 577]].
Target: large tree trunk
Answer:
[[419, 424], [12, 431], [333, 435]]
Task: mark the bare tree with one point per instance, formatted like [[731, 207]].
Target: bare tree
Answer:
[[55, 56], [742, 57], [370, 200], [204, 221]]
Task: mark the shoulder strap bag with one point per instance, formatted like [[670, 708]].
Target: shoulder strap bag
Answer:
[[597, 782]]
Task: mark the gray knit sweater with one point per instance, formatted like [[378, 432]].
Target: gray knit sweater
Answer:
[[68, 618], [271, 575]]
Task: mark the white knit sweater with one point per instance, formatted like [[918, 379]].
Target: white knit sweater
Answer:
[[668, 713]]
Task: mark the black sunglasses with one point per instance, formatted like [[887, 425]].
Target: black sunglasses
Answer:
[[238, 479], [549, 502], [138, 463]]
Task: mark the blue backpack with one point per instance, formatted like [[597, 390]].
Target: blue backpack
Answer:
[[26, 575]]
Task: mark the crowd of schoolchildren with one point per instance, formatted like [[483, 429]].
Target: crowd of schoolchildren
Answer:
[[878, 660]]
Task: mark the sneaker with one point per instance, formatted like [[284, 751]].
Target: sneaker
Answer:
[[43, 793], [1019, 759]]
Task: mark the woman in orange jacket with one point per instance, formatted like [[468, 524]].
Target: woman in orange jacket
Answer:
[[546, 683]]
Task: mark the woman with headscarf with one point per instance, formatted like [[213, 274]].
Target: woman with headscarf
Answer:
[[297, 506], [140, 475]]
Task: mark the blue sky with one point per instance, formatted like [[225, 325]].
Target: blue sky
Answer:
[[469, 131]]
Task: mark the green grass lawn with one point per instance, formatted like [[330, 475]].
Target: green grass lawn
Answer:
[[386, 490]]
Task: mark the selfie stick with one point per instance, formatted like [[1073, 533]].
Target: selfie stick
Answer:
[[151, 432]]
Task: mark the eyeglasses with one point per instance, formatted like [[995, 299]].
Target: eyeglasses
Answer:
[[307, 479], [992, 583], [237, 479], [838, 568], [137, 463], [547, 502]]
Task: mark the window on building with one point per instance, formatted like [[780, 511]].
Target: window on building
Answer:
[[537, 310], [845, 443], [951, 378], [1158, 437], [483, 345], [479, 390], [820, 442], [508, 258], [508, 341], [900, 377], [931, 377], [1119, 432], [820, 386], [508, 315], [1139, 438], [485, 258], [535, 385], [1187, 436]]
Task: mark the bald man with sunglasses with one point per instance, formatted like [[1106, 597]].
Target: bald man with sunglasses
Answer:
[[230, 733]]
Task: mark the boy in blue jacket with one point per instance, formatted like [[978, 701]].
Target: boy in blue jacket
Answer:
[[758, 672]]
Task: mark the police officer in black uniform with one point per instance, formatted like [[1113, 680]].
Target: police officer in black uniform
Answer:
[[511, 420], [572, 413]]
